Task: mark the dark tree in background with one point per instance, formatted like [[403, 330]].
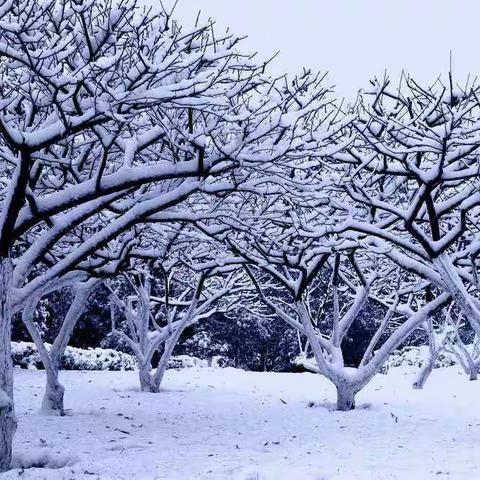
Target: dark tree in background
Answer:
[[90, 331], [246, 341]]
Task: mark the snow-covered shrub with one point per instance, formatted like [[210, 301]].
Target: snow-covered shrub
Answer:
[[219, 361], [185, 361], [24, 355], [114, 342], [203, 344], [414, 356], [41, 458], [303, 363], [96, 359], [188, 361]]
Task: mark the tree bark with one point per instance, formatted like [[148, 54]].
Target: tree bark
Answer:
[[470, 366], [54, 393], [168, 350], [433, 352], [466, 359], [162, 364], [147, 382], [53, 397], [424, 372], [345, 397], [7, 410]]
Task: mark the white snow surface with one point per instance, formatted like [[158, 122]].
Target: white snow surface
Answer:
[[224, 424]]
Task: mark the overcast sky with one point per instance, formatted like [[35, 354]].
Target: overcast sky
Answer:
[[353, 39]]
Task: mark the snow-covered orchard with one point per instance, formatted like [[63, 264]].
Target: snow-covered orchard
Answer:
[[164, 182]]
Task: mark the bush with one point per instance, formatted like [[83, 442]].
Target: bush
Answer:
[[185, 361], [414, 356], [25, 355]]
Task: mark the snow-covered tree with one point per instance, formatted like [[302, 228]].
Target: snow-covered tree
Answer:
[[411, 183], [324, 311], [51, 356], [109, 118], [444, 336], [160, 309], [405, 189], [293, 237]]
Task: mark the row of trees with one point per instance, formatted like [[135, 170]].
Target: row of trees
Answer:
[[115, 121], [130, 148]]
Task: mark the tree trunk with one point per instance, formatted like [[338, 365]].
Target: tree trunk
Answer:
[[457, 290], [466, 359], [53, 396], [429, 362], [7, 411], [471, 365], [167, 352], [162, 364], [147, 383], [345, 397], [54, 390], [424, 372]]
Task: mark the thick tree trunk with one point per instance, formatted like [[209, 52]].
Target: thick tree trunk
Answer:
[[7, 411], [54, 393], [345, 397], [147, 382]]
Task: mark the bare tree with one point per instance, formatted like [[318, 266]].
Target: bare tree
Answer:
[[155, 318], [405, 188], [444, 336], [109, 117], [292, 239], [50, 357], [302, 303], [411, 182]]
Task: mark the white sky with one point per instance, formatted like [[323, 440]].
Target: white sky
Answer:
[[353, 39]]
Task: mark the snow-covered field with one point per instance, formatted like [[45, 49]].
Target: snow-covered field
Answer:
[[230, 424]]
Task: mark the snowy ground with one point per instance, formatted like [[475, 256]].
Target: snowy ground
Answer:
[[229, 424]]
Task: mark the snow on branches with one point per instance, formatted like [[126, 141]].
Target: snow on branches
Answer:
[[111, 118]]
